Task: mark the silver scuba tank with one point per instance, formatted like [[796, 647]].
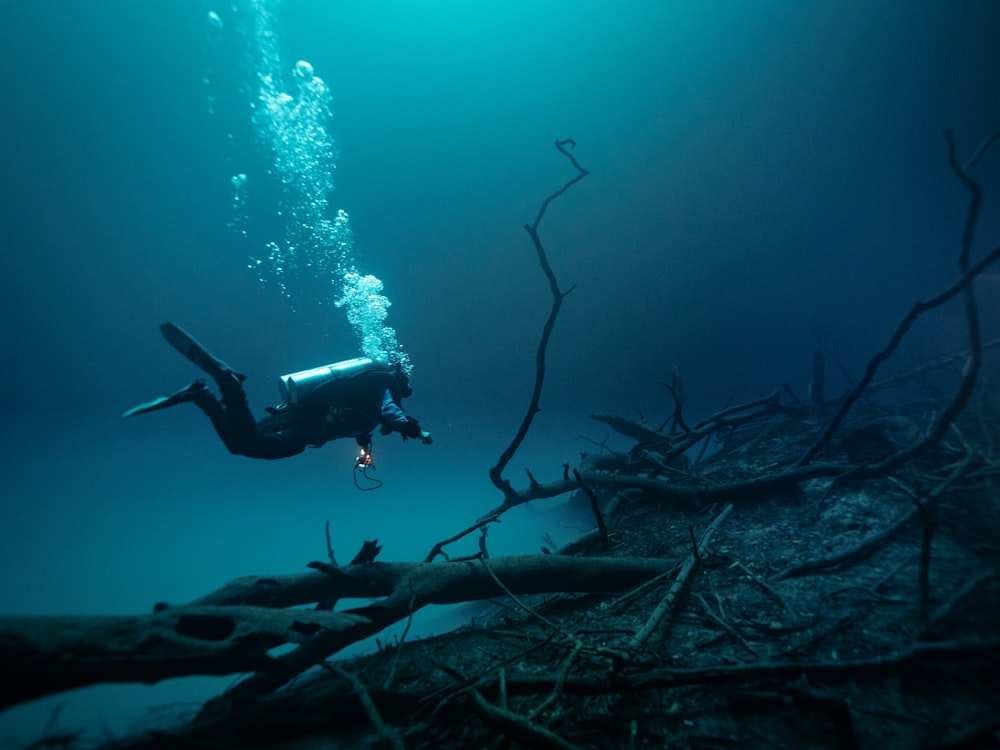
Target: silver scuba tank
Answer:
[[297, 386]]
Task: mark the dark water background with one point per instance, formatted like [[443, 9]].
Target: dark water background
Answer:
[[766, 177]]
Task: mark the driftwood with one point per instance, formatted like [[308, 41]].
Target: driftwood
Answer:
[[231, 630], [665, 605]]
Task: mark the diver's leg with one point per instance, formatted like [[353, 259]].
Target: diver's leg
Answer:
[[188, 393], [243, 434], [187, 345], [231, 417], [238, 431], [236, 434], [242, 425]]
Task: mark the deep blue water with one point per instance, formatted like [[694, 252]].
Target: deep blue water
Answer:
[[765, 177]]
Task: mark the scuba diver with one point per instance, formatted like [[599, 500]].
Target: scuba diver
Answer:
[[344, 399]]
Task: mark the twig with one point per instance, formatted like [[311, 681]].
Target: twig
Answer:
[[694, 543], [983, 147], [936, 363], [388, 733], [676, 445], [719, 620], [522, 605], [601, 526], [438, 549], [668, 600], [483, 552], [642, 589], [516, 727], [368, 552], [329, 547], [694, 478], [402, 639], [676, 388], [560, 681], [763, 585]]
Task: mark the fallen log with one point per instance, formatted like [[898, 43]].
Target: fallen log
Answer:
[[232, 630], [45, 655]]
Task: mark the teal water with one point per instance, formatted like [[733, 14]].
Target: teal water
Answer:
[[764, 177]]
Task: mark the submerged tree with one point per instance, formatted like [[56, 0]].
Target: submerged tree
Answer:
[[779, 585]]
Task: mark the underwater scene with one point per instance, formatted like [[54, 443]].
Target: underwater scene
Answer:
[[550, 374]]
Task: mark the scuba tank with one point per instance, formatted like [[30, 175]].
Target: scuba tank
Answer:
[[296, 387]]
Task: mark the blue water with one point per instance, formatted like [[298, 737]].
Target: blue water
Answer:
[[765, 177]]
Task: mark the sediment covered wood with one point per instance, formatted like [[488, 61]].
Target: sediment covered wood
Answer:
[[232, 630]]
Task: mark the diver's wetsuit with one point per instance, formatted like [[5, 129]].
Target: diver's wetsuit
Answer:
[[351, 408]]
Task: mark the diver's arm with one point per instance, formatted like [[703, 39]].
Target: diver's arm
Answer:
[[393, 417]]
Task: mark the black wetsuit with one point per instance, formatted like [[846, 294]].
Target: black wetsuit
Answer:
[[353, 407]]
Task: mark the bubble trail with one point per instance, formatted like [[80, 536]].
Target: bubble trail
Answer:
[[291, 116]]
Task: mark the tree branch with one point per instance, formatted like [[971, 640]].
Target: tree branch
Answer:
[[44, 655], [496, 473], [964, 286]]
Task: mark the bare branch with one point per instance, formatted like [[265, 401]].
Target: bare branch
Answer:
[[496, 473]]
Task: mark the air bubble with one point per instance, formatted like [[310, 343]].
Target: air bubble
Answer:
[[304, 70], [316, 260]]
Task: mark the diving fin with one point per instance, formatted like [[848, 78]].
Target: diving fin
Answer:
[[187, 345], [190, 393]]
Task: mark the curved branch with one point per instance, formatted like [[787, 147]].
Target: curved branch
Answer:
[[496, 473], [974, 363], [964, 286]]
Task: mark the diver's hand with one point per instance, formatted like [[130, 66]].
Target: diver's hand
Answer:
[[426, 438]]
